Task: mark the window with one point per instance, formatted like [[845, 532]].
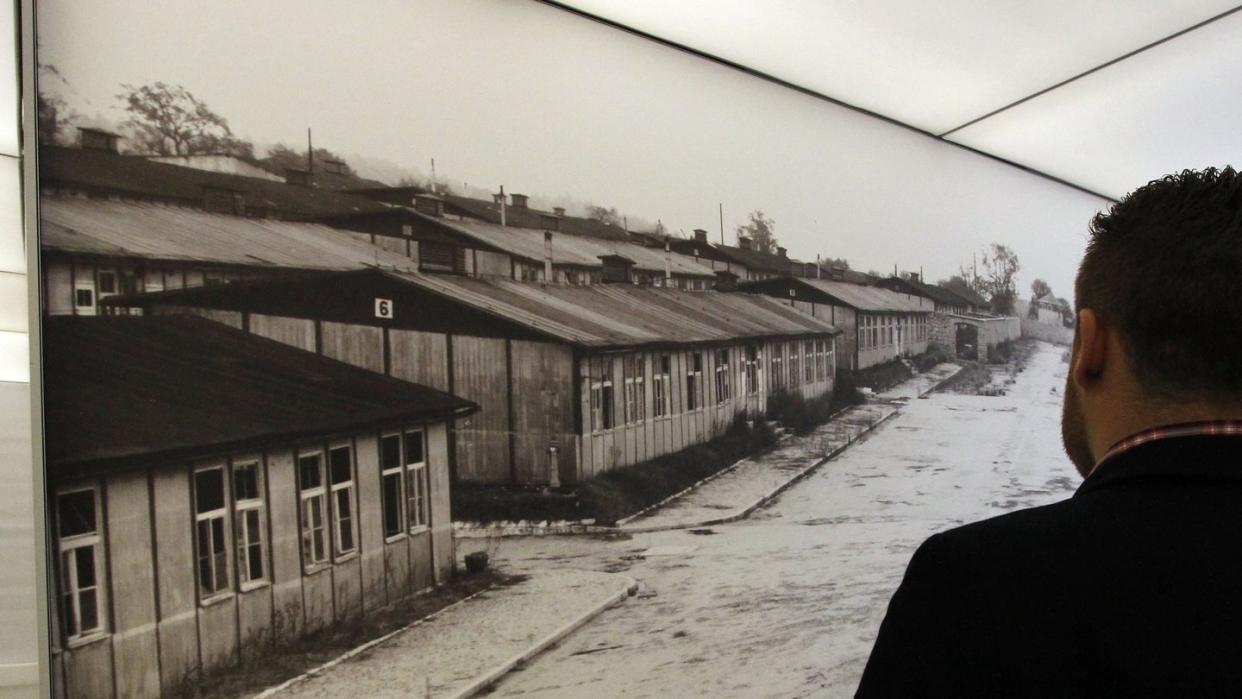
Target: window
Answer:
[[312, 496], [390, 475], [210, 518], [723, 387], [778, 366], [80, 548], [694, 382], [601, 394], [752, 370], [107, 282], [416, 480], [84, 298], [248, 522], [634, 372], [808, 370], [795, 376], [341, 484], [662, 385]]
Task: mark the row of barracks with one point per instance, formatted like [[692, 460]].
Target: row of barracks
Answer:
[[260, 392]]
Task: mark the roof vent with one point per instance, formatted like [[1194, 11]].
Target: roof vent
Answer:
[[836, 273], [550, 222], [98, 139], [618, 269], [726, 280], [333, 167], [700, 235], [743, 242], [429, 204], [558, 210], [297, 176], [517, 201], [780, 251]]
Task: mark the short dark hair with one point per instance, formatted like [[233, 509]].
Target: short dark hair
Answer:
[[1164, 267]]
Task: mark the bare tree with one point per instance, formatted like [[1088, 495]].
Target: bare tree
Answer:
[[761, 231], [603, 214], [1000, 266], [170, 120], [54, 114]]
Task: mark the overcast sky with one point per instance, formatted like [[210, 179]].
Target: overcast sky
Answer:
[[516, 93]]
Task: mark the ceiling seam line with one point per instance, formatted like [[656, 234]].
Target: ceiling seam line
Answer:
[[668, 43], [1096, 69]]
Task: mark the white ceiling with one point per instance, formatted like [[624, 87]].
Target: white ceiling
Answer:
[[939, 66]]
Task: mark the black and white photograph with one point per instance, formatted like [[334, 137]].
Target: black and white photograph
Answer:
[[581, 348]]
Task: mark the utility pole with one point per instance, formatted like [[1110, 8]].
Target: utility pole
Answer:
[[310, 152], [433, 175]]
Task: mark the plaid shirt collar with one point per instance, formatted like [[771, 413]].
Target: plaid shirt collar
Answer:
[[1185, 429]]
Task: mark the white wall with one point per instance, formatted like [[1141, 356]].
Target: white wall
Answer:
[[19, 675]]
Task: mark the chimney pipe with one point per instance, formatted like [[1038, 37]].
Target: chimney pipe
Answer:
[[668, 263], [547, 257], [500, 198], [818, 269]]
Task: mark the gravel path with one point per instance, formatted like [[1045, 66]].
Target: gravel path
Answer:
[[786, 603], [440, 657]]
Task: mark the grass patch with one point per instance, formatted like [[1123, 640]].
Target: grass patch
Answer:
[[272, 665], [882, 376]]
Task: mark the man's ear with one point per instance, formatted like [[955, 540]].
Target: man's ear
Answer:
[[1093, 348]]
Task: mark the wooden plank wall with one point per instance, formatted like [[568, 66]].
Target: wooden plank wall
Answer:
[[163, 637], [360, 345], [633, 443], [296, 332], [543, 408], [479, 375]]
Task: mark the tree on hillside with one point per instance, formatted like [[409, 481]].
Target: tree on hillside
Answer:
[[54, 113], [1040, 288], [1000, 266], [959, 283], [603, 214], [761, 231], [830, 262], [281, 157], [170, 120]]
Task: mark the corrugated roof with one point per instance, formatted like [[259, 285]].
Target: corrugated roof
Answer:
[[526, 217], [865, 298], [154, 231], [125, 388], [938, 294], [756, 260], [570, 249], [96, 170], [605, 315]]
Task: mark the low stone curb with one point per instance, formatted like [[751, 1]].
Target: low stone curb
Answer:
[[319, 669], [766, 497], [494, 675]]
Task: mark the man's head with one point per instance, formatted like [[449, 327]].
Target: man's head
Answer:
[[1159, 304]]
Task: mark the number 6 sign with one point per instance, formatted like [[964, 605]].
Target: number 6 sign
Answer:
[[383, 308]]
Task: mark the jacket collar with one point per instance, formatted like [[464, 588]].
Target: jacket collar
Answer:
[[1198, 456]]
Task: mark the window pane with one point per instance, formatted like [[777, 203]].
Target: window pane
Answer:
[[84, 558], [308, 471], [88, 609], [413, 447], [392, 504], [246, 481], [345, 519], [208, 490], [341, 465], [390, 451], [205, 575], [76, 513]]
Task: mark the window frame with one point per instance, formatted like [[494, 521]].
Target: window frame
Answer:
[[634, 380], [750, 368], [94, 540], [339, 553], [724, 388], [694, 382], [221, 514], [389, 472], [244, 507], [306, 495], [662, 386], [416, 477], [601, 396]]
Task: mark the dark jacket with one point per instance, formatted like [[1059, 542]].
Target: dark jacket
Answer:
[[1132, 586]]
